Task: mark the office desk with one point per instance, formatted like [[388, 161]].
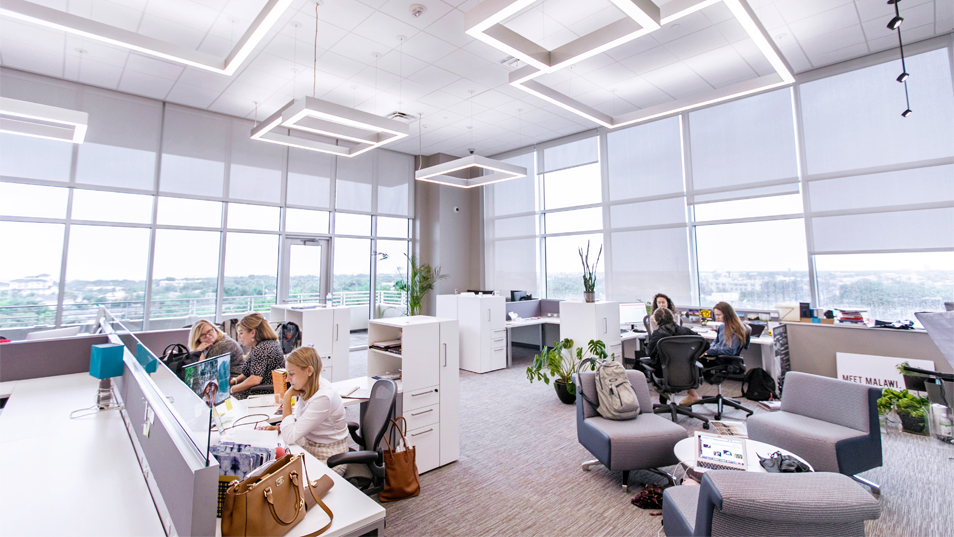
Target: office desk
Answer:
[[355, 513], [761, 351], [68, 477], [521, 323]]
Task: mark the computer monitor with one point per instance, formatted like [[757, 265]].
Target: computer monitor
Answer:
[[201, 376], [480, 292], [516, 296], [632, 313]]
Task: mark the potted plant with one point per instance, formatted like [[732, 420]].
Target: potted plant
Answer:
[[589, 273], [558, 362], [421, 280], [911, 409], [912, 381]]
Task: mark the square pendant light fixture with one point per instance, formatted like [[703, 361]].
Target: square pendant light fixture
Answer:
[[472, 166], [485, 22], [310, 115], [42, 121], [550, 61], [66, 22]]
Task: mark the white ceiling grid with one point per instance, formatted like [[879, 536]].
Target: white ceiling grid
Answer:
[[437, 65]]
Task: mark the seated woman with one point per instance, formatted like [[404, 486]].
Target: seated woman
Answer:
[[207, 337], [729, 341], [663, 301], [265, 356], [667, 327], [317, 423]]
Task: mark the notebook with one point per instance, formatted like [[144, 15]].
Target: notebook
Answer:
[[720, 453]]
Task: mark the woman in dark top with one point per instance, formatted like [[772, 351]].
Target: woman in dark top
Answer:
[[265, 356], [729, 341], [206, 337], [667, 327], [663, 301]]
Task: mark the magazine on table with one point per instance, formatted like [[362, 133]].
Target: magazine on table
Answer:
[[729, 428]]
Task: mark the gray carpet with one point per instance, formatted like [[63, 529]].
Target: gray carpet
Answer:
[[519, 472]]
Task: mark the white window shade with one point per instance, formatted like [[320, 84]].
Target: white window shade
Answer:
[[122, 141], [48, 160], [309, 178], [649, 262], [255, 173], [571, 154], [520, 226], [744, 144], [394, 174], [515, 265], [645, 160], [905, 187], [853, 120], [353, 185], [517, 195], [193, 152], [649, 213], [888, 231]]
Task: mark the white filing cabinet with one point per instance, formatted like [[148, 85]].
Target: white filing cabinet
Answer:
[[583, 321], [327, 329], [428, 362], [483, 337]]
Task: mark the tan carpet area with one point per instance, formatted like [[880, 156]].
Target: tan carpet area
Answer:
[[519, 472]]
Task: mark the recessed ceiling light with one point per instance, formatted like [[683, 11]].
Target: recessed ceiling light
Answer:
[[417, 10], [782, 35], [81, 50]]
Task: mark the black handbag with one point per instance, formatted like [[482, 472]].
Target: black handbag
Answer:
[[177, 355], [777, 463]]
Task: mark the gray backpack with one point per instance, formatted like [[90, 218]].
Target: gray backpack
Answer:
[[617, 398]]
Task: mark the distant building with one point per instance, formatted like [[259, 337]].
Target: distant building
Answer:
[[40, 282]]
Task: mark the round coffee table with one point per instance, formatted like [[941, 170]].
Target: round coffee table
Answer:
[[685, 451]]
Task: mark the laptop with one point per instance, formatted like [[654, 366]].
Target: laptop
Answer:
[[720, 452], [757, 329]]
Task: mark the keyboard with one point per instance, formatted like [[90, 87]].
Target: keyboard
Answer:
[[710, 466]]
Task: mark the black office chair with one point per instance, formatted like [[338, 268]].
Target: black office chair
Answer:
[[366, 467], [681, 370], [647, 325], [261, 389], [732, 367]]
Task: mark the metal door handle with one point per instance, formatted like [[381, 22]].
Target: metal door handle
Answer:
[[445, 354], [488, 315], [425, 412], [422, 432]]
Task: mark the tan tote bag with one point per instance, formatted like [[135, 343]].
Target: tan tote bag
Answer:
[[400, 470], [271, 503]]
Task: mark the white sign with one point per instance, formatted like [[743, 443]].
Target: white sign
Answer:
[[878, 371]]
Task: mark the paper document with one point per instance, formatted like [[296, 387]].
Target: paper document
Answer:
[[358, 393], [729, 428]]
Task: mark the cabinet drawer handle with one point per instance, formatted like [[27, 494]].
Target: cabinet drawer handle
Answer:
[[422, 432], [425, 412], [423, 393], [445, 354]]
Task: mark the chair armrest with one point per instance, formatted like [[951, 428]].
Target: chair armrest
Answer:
[[353, 430], [354, 457]]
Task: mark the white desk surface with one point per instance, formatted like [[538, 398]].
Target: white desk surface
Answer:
[[353, 510], [531, 321], [63, 476], [685, 451]]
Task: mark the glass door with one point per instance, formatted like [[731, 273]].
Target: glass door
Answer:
[[305, 273]]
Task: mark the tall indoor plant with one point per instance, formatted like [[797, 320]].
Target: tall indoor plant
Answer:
[[558, 362], [589, 273], [421, 280]]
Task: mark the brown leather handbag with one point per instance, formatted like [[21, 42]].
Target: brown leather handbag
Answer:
[[400, 470], [272, 502]]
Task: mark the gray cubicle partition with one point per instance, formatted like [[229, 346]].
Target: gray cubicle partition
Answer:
[[812, 346], [530, 336], [157, 340], [20, 360]]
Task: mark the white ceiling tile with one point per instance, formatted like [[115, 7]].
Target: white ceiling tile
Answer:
[[98, 74], [216, 46], [140, 5], [462, 88], [146, 85], [171, 32], [829, 21], [96, 51], [491, 76], [485, 51], [732, 31], [696, 43], [462, 63], [339, 65], [754, 57], [840, 55], [259, 79], [32, 35], [718, 12], [642, 94], [400, 64], [492, 99], [376, 78], [36, 60], [385, 29], [204, 79], [592, 64], [796, 10], [721, 67], [441, 99], [155, 67], [229, 27], [435, 77], [451, 29], [677, 80], [184, 13], [328, 34], [611, 75], [82, 8], [650, 60], [401, 10], [357, 48], [633, 48], [244, 9], [428, 48], [116, 15], [681, 27], [376, 4], [769, 16], [492, 116], [345, 14], [595, 20], [913, 17], [832, 41]]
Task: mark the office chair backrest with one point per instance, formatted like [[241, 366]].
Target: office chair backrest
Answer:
[[678, 356], [379, 413], [748, 335], [647, 325]]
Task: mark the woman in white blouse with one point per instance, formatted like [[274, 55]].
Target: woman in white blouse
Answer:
[[318, 422]]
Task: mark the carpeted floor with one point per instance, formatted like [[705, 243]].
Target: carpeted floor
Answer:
[[519, 472]]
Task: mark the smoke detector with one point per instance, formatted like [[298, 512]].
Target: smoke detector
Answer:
[[401, 116], [510, 63], [417, 10]]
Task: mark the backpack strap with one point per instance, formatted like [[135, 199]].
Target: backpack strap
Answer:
[[579, 369]]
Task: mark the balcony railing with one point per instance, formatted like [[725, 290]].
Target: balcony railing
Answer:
[[84, 313]]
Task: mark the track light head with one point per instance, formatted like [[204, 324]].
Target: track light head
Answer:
[[895, 22], [906, 113], [903, 76], [893, 1]]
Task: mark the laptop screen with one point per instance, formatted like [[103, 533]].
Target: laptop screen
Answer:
[[721, 450]]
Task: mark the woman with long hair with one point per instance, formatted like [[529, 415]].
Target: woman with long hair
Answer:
[[663, 301], [265, 356], [317, 423], [729, 341], [207, 337]]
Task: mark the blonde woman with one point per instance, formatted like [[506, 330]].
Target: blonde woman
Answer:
[[318, 422], [207, 337], [266, 354], [729, 341]]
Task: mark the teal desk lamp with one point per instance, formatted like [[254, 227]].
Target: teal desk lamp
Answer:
[[106, 362]]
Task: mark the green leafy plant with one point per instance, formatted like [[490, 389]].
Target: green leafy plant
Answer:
[[906, 403], [589, 272], [558, 362], [421, 280]]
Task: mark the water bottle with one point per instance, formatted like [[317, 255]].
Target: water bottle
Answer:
[[329, 301]]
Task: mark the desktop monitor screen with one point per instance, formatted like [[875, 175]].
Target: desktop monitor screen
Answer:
[[209, 376], [632, 313], [516, 296]]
